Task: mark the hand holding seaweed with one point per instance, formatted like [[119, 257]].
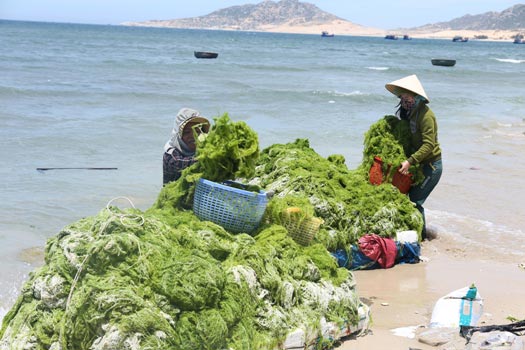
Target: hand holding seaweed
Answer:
[[389, 138], [230, 151]]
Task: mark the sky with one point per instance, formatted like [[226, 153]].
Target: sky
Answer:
[[384, 14]]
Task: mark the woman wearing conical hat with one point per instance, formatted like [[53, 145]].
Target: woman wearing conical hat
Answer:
[[413, 106]]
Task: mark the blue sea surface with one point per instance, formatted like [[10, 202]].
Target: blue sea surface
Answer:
[[85, 96]]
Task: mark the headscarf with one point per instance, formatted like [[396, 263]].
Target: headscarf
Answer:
[[184, 116]]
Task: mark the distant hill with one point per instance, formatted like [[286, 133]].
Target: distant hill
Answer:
[[257, 17], [249, 17], [512, 18], [294, 16]]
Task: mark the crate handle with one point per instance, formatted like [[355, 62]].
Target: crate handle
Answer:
[[269, 194], [230, 182]]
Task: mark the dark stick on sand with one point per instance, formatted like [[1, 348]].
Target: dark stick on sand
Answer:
[[84, 168]]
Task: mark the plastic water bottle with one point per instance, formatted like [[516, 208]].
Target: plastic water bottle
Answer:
[[465, 317]]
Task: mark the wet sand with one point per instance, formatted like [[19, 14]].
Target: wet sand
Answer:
[[404, 295]]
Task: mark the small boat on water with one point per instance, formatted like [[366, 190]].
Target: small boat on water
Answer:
[[407, 37], [205, 54], [326, 34], [518, 39], [443, 62], [459, 39], [391, 37]]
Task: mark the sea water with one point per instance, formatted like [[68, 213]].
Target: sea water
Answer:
[[106, 96]]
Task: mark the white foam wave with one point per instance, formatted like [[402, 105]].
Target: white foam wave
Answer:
[[339, 93], [477, 232], [378, 68], [517, 134], [509, 60], [494, 228]]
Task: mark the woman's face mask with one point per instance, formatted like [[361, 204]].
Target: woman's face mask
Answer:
[[407, 101]]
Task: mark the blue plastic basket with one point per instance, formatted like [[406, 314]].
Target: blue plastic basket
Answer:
[[234, 209]]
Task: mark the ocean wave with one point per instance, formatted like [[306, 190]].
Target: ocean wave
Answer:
[[270, 67], [378, 68], [505, 129], [509, 60], [518, 134], [477, 233], [339, 93]]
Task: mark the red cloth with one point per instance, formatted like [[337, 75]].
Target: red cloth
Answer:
[[382, 250]]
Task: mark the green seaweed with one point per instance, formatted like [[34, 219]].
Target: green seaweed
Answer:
[[229, 151], [349, 205], [163, 279], [389, 138]]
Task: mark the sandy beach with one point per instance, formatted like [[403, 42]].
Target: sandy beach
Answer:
[[404, 295], [339, 27], [348, 28]]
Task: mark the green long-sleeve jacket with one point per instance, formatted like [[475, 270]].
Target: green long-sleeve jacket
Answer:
[[424, 136]]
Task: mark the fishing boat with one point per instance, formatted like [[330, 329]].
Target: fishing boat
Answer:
[[391, 37], [518, 39], [459, 39], [443, 62], [205, 54], [327, 34]]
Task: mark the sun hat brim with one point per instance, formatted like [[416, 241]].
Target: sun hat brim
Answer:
[[195, 120], [407, 84]]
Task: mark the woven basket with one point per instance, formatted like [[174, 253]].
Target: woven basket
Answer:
[[235, 209], [301, 229]]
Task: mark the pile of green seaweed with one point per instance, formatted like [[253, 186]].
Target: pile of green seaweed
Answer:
[[163, 279], [350, 206]]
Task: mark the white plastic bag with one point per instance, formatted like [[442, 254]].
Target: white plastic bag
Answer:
[[448, 308]]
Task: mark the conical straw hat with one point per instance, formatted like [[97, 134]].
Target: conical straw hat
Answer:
[[410, 83]]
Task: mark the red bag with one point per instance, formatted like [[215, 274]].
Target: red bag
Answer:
[[375, 175], [402, 181]]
